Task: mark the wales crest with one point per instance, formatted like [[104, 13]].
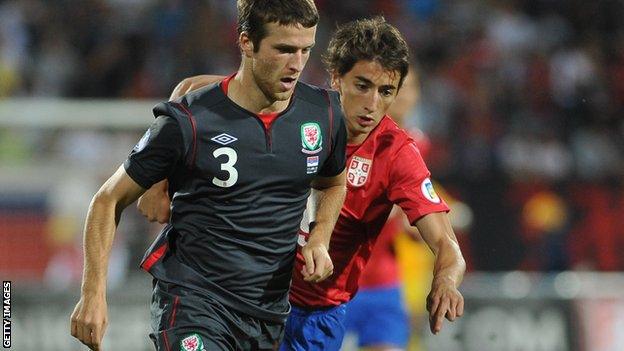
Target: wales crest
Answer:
[[311, 138]]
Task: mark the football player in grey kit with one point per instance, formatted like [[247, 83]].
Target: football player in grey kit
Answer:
[[240, 157]]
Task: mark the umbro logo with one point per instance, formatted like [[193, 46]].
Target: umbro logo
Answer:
[[224, 139]]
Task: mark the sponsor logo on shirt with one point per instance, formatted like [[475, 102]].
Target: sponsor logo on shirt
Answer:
[[311, 138], [312, 164], [224, 139], [141, 144], [358, 171], [427, 189], [192, 342]]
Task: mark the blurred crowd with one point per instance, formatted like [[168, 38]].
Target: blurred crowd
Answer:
[[523, 100]]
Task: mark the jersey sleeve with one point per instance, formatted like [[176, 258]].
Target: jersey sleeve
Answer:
[[157, 154], [336, 161], [410, 184]]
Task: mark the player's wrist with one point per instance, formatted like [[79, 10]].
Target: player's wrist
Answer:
[[443, 280], [93, 290], [317, 239]]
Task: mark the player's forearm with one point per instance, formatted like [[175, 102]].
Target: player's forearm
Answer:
[[329, 204], [449, 263], [99, 233], [104, 212], [437, 232]]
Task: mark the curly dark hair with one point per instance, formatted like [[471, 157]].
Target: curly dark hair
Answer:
[[371, 39], [254, 14]]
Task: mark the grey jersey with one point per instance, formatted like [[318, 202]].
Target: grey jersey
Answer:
[[238, 191]]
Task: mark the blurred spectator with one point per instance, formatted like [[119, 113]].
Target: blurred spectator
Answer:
[[596, 241], [13, 47]]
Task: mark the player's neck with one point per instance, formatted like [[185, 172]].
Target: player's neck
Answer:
[[355, 138], [244, 91]]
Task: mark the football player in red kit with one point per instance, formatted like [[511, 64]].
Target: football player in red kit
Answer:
[[380, 299]]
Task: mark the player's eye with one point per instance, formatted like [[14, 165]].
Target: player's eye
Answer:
[[285, 49], [362, 87], [386, 93]]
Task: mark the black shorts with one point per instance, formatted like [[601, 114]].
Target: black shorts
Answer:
[[184, 320]]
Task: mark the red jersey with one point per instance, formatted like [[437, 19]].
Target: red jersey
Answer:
[[386, 169], [382, 269]]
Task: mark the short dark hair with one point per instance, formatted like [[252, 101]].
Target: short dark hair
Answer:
[[371, 39], [254, 14]]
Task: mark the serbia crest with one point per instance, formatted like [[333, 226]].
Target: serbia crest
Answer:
[[358, 171]]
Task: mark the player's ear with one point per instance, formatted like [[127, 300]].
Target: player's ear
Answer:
[[246, 44], [335, 80]]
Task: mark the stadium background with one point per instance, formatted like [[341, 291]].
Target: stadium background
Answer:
[[523, 101]]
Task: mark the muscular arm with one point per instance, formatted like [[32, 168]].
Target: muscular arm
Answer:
[[193, 83], [102, 219], [331, 195], [444, 300], [331, 192], [155, 203], [89, 319]]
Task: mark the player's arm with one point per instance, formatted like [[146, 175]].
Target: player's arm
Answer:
[[155, 203], [193, 83], [444, 299], [330, 195], [331, 185], [411, 189], [155, 156], [90, 317]]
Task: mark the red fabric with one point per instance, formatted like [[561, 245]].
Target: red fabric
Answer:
[[194, 127], [176, 301], [225, 84], [382, 269], [390, 171], [164, 333], [154, 257], [266, 118]]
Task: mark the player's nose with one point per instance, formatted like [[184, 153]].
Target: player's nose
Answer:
[[372, 101], [297, 61]]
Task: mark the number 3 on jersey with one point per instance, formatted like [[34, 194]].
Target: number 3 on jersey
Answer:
[[228, 166]]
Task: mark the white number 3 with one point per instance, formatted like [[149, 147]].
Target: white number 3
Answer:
[[227, 166]]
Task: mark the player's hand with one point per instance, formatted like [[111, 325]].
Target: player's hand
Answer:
[[89, 320], [444, 300], [318, 265], [155, 202]]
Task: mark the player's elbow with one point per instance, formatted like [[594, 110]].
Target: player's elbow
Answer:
[[112, 194], [103, 199]]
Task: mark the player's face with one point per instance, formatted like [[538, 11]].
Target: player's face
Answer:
[[282, 55], [367, 91]]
